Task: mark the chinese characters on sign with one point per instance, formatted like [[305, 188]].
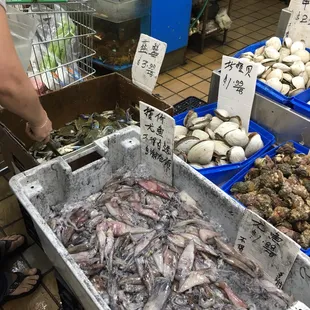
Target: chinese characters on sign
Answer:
[[274, 252], [157, 132], [298, 306], [299, 23], [237, 87], [148, 59]]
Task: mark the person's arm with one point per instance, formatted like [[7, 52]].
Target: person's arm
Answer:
[[16, 91]]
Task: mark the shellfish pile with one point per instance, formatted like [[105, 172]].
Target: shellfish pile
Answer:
[[278, 190], [283, 66], [210, 141]]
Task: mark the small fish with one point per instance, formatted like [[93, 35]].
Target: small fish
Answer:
[[189, 204], [147, 212], [144, 242], [102, 243], [195, 278], [159, 296], [170, 264], [206, 234], [236, 301], [186, 262], [109, 243], [198, 222], [159, 261], [153, 187], [84, 256], [72, 249]]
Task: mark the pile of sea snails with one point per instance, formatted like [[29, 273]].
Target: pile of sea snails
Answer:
[[210, 141], [283, 66]]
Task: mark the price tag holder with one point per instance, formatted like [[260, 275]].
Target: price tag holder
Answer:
[[157, 138], [266, 245], [237, 88], [298, 26], [298, 306], [148, 59]]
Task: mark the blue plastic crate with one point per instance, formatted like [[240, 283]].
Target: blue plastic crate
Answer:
[[221, 174], [241, 174], [261, 87], [300, 105]]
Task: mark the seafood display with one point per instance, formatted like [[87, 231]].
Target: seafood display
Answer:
[[210, 141], [82, 131], [283, 66], [146, 245], [278, 189]]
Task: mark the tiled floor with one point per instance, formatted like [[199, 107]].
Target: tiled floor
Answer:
[[252, 21]]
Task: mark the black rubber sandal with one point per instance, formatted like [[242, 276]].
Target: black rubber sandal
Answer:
[[20, 278], [18, 250]]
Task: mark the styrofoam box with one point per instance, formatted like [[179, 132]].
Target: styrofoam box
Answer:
[[57, 182]]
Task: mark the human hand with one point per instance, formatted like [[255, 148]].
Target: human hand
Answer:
[[40, 133]]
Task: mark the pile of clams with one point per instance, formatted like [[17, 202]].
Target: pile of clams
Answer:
[[278, 189], [283, 66], [210, 141]]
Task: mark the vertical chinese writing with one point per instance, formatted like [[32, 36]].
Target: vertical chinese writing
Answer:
[[241, 243]]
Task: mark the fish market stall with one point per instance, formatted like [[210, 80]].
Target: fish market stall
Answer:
[[78, 199]]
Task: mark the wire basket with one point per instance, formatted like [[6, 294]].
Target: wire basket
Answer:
[[62, 48]]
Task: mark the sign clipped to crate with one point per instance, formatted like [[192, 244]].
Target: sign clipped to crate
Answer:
[[34, 1]]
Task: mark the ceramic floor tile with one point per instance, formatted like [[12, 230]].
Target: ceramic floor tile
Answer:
[[248, 19], [205, 99], [38, 300], [253, 27], [203, 72], [243, 30], [173, 99], [191, 92], [36, 258], [237, 45], [202, 59], [257, 15], [266, 31], [9, 211], [190, 65], [247, 40], [234, 35], [163, 78], [190, 79], [5, 190], [262, 23], [177, 72], [257, 36], [213, 54], [225, 50], [163, 92], [50, 284], [18, 227], [190, 53], [203, 87], [175, 86]]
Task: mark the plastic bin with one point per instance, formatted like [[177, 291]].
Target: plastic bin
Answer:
[[240, 175], [220, 175], [300, 103], [261, 87]]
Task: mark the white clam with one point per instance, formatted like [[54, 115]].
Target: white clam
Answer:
[[210, 132], [259, 51], [200, 134], [276, 73], [180, 131], [305, 76], [260, 69], [274, 42], [307, 69], [291, 59], [220, 148], [247, 55], [297, 67], [178, 138], [283, 67], [237, 137], [272, 53], [224, 128], [285, 89], [254, 145], [259, 58], [268, 62], [304, 55], [236, 154], [267, 71], [199, 122], [185, 144], [284, 52], [189, 117], [296, 46], [201, 153], [298, 82], [287, 77], [275, 83], [295, 92], [215, 122], [287, 42], [222, 114]]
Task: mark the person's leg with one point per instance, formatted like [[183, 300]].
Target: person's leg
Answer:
[[11, 244], [3, 285]]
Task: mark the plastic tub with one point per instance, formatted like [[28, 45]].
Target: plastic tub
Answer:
[[300, 103], [220, 175], [261, 87], [240, 175]]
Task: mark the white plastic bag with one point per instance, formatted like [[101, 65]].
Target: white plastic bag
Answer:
[[223, 19]]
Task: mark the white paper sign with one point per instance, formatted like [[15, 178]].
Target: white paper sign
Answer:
[[148, 59], [299, 24], [298, 306], [237, 88], [157, 138], [272, 250], [294, 4]]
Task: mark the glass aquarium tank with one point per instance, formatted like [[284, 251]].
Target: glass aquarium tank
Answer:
[[118, 25]]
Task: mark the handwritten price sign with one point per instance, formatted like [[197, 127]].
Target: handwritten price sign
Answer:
[[237, 88], [157, 137], [298, 306], [147, 62], [271, 249]]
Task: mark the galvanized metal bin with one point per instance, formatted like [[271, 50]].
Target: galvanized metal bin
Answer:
[[80, 174]]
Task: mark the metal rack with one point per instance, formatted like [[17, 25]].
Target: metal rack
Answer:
[[62, 49]]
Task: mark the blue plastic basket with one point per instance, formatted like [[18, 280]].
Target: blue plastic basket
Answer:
[[241, 174], [300, 105], [220, 175], [261, 87]]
